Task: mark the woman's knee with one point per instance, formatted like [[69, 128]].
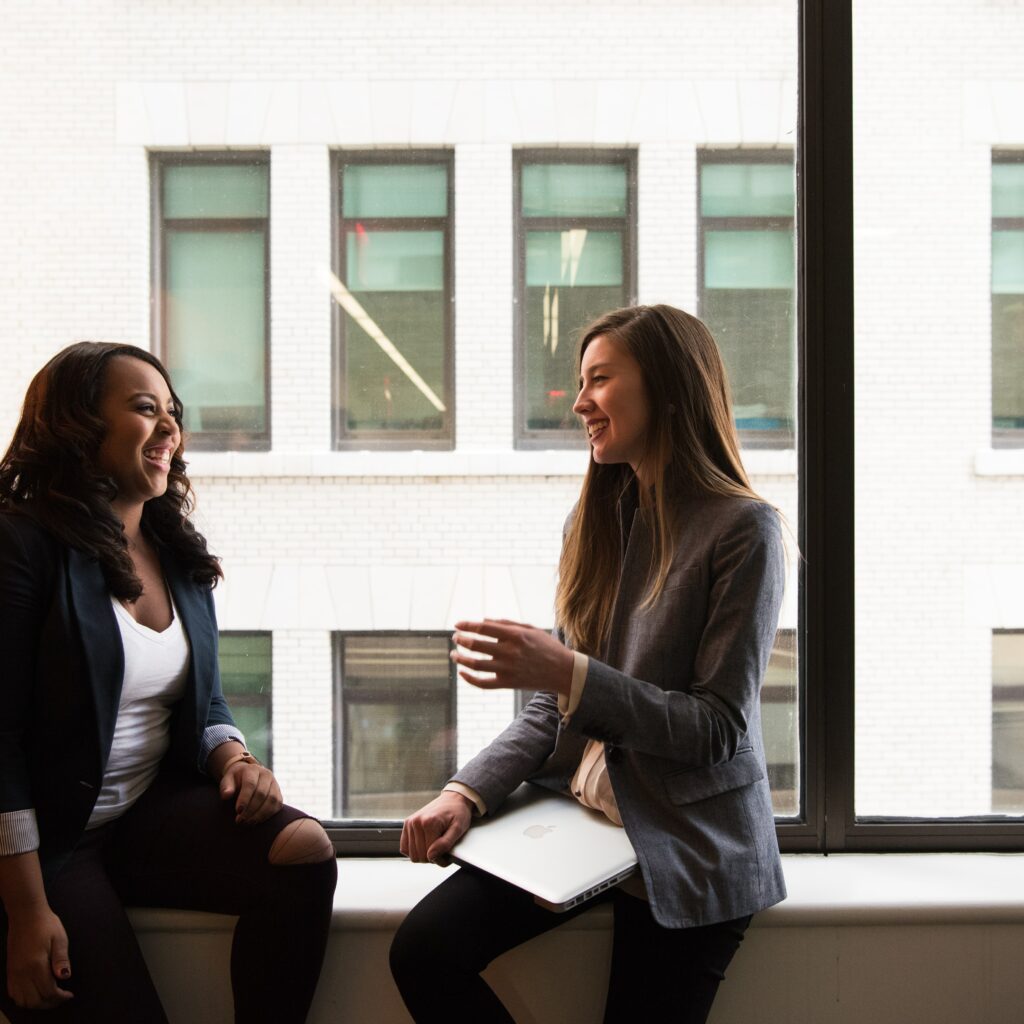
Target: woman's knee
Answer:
[[301, 842]]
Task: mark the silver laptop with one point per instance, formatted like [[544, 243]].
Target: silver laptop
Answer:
[[549, 845]]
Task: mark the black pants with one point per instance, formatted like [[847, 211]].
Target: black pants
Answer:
[[657, 974], [179, 847]]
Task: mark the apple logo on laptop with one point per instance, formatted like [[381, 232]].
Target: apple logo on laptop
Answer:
[[538, 831]]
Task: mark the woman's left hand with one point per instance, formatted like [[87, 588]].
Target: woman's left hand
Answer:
[[511, 656], [258, 794]]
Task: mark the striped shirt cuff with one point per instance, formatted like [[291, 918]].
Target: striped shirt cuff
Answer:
[[19, 832], [213, 737]]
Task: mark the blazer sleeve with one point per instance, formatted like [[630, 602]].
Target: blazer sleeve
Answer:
[[706, 719], [25, 584]]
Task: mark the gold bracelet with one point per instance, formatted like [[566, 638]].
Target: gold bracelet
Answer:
[[243, 756]]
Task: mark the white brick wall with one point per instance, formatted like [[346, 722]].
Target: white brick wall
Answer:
[[315, 541]]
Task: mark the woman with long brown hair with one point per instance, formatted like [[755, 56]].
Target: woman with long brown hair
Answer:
[[123, 778], [670, 584]]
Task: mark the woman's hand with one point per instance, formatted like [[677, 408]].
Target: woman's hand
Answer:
[[433, 830], [37, 955], [258, 794], [512, 656]]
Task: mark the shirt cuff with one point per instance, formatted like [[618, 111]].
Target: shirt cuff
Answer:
[[19, 832], [469, 793], [213, 737], [567, 705]]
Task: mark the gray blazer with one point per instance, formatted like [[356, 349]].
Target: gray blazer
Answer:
[[675, 700]]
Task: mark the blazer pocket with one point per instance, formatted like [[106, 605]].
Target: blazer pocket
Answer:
[[682, 576], [692, 784]]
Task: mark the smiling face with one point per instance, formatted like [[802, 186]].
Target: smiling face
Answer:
[[141, 435], [613, 402]]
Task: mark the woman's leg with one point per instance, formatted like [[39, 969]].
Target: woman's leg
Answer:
[[180, 847], [109, 977], [452, 934], [666, 974]]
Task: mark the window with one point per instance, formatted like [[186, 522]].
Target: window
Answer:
[[395, 741], [211, 286], [392, 288], [1008, 299], [780, 725], [246, 670], [576, 245], [1008, 721], [747, 285]]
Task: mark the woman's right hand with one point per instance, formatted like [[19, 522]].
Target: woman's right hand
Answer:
[[430, 833], [37, 955]]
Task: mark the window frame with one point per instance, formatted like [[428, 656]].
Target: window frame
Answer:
[[159, 160], [525, 439], [1005, 437], [343, 439], [372, 832], [708, 155]]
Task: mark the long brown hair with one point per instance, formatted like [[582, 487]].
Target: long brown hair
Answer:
[[49, 471], [691, 449]]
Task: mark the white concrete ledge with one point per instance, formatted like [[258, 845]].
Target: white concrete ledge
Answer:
[[999, 462]]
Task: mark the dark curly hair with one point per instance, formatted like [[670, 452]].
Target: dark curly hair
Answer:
[[49, 471]]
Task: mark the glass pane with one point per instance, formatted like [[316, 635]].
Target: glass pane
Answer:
[[1008, 723], [572, 277], [574, 190], [749, 259], [395, 334], [1008, 189], [222, 190], [394, 190], [254, 721], [939, 546], [1008, 262], [245, 674], [747, 190], [399, 738], [781, 725], [216, 327]]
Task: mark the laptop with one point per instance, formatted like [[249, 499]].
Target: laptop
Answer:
[[548, 844]]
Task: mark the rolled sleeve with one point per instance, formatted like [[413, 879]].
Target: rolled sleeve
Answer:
[[567, 705], [213, 737], [469, 793], [19, 832]]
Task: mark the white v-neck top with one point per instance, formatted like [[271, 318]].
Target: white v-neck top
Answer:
[[155, 671]]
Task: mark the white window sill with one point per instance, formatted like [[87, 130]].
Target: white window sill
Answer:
[[497, 462], [374, 894], [999, 462]]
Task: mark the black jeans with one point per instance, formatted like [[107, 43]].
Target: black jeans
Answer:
[[179, 847], [450, 936]]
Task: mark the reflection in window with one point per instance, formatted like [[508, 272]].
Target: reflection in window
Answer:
[[780, 725], [393, 291], [245, 675], [575, 229], [211, 295], [1008, 722], [1008, 299], [395, 723], [747, 285]]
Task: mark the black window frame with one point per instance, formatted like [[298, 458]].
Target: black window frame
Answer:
[[343, 439], [159, 160], [524, 438], [375, 835], [759, 156], [1006, 437]]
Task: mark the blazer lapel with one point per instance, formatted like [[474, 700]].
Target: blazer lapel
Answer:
[[101, 642]]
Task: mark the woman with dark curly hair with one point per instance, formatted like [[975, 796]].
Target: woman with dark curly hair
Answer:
[[123, 779]]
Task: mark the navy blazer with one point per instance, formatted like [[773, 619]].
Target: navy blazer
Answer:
[[61, 671], [675, 700]]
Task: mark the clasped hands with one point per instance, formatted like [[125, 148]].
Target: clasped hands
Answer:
[[498, 654]]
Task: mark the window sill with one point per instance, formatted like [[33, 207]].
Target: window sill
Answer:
[[488, 463], [374, 894], [999, 462]]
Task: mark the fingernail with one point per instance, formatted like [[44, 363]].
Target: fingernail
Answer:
[[65, 973]]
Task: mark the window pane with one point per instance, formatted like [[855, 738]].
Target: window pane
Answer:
[[1008, 189], [245, 676], [1008, 262], [395, 190], [574, 190], [391, 261], [749, 259], [215, 326], [224, 191], [1008, 362], [746, 190], [399, 737], [780, 722], [1008, 722]]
